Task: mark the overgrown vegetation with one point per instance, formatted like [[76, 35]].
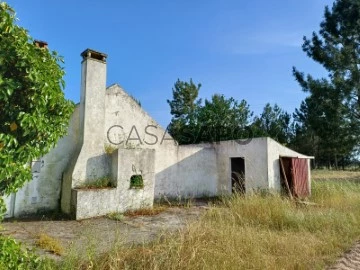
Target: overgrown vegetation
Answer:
[[136, 181], [102, 182], [13, 256], [253, 232], [34, 113]]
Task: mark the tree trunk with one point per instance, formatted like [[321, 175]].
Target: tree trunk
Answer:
[[336, 162]]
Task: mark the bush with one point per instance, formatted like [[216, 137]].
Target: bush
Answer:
[[14, 256]]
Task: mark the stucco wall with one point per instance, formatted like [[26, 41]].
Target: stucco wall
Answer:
[[125, 163], [127, 125], [186, 171], [9, 203], [42, 193], [255, 156], [92, 163]]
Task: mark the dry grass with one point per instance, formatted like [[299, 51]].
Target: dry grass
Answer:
[[254, 232], [49, 243], [335, 175], [145, 211], [109, 149]]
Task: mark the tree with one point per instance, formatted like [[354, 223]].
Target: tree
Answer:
[[218, 119], [34, 113], [222, 119], [273, 122], [333, 107], [322, 131], [184, 107]]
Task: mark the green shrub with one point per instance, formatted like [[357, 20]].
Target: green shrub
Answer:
[[14, 256]]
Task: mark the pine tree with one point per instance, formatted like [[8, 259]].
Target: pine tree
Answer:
[[333, 107]]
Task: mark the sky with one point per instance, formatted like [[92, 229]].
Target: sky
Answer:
[[242, 49]]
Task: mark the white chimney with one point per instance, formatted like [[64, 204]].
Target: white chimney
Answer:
[[92, 99]]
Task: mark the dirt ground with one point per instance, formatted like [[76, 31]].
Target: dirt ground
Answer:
[[350, 260], [100, 234]]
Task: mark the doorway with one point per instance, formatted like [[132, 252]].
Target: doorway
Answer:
[[238, 174], [294, 176]]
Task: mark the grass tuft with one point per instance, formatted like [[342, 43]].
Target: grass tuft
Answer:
[[102, 182], [49, 243]]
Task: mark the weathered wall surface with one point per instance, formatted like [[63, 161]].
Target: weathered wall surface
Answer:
[[127, 125], [9, 203], [42, 193], [125, 163], [92, 163], [186, 171], [255, 156], [128, 162], [89, 162], [93, 202]]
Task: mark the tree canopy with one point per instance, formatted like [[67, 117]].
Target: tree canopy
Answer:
[[219, 118], [330, 116], [273, 122], [34, 113]]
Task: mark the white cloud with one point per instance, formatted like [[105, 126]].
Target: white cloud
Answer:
[[260, 43]]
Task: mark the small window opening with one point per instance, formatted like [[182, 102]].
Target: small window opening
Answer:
[[136, 181]]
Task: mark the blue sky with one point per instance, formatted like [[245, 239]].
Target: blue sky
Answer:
[[243, 49]]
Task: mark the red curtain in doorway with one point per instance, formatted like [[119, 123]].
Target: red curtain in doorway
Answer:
[[300, 176]]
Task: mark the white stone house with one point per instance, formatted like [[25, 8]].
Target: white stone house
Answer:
[[110, 120]]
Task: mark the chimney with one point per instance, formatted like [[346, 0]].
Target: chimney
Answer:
[[40, 44], [92, 99], [91, 54], [90, 162]]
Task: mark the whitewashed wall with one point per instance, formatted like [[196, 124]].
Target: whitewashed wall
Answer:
[[179, 170], [42, 193], [255, 156], [127, 125], [186, 171], [97, 202]]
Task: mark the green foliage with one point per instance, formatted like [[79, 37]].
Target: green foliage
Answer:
[[223, 119], [14, 256], [273, 122], [33, 110], [184, 107], [136, 181], [102, 182], [185, 100], [329, 119], [218, 119]]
